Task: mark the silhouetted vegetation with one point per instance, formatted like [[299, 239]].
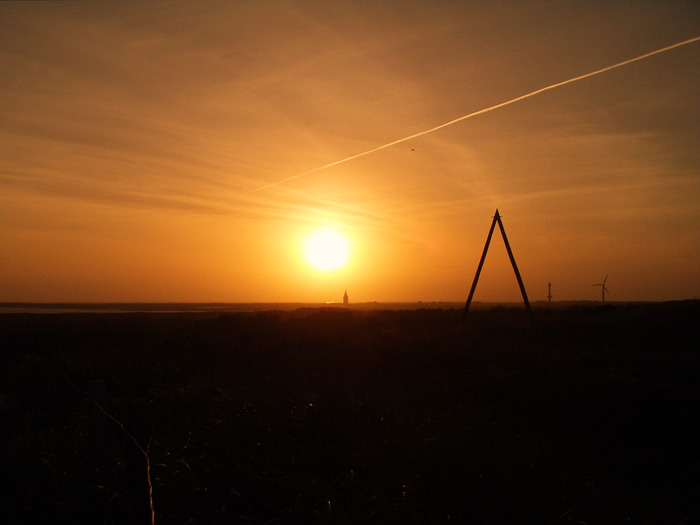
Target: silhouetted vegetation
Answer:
[[335, 415]]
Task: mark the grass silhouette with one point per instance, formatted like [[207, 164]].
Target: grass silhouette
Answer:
[[346, 416]]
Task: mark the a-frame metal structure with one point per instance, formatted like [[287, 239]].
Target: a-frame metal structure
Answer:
[[497, 219]]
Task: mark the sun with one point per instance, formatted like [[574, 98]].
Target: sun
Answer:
[[326, 250]]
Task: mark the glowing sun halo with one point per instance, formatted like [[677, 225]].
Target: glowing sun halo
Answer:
[[326, 250]]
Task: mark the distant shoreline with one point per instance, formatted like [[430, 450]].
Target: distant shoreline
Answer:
[[105, 308]]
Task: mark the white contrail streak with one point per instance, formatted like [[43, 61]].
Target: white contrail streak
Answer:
[[481, 111]]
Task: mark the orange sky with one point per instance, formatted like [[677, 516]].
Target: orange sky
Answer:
[[132, 134]]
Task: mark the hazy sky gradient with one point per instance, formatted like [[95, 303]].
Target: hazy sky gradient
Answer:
[[132, 134]]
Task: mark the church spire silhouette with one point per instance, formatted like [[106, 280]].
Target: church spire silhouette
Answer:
[[345, 297]]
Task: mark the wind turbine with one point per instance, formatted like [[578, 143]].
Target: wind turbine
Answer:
[[602, 287]]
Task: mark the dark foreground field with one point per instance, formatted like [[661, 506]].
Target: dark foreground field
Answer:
[[331, 415]]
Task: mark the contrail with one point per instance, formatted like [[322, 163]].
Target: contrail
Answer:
[[470, 115]]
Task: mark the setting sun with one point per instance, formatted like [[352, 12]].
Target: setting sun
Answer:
[[336, 243], [251, 152], [326, 250]]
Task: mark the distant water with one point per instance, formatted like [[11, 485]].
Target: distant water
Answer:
[[65, 308], [116, 308]]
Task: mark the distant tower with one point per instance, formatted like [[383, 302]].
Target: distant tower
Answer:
[[603, 287], [549, 297], [345, 297]]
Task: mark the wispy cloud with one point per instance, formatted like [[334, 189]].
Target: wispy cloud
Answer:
[[474, 114], [169, 114]]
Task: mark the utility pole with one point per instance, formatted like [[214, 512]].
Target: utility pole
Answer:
[[549, 297], [497, 219]]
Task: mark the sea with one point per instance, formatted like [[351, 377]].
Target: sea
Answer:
[[117, 308]]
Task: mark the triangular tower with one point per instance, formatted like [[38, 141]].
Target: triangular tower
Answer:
[[345, 297], [497, 219]]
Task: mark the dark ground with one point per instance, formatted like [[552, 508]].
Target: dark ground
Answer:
[[333, 415]]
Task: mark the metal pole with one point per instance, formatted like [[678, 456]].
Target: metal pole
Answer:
[[481, 263], [497, 218]]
